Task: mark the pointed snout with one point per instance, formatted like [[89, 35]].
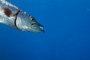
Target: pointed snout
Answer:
[[37, 28]]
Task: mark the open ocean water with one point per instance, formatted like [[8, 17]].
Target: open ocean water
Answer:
[[67, 32]]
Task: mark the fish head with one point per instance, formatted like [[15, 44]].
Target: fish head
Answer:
[[34, 26], [28, 23]]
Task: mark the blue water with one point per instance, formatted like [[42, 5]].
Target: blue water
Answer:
[[67, 32]]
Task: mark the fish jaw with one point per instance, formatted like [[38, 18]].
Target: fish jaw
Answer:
[[36, 28]]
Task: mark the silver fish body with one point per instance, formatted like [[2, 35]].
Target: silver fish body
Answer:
[[15, 17]]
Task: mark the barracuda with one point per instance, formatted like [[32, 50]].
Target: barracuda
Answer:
[[17, 18]]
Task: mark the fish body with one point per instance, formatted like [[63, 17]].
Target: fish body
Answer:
[[17, 18]]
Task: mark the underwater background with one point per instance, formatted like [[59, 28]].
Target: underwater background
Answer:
[[67, 32]]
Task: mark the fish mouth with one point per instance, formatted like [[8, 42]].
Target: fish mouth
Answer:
[[38, 28], [41, 29]]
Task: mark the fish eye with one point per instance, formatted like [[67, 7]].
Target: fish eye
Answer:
[[32, 18]]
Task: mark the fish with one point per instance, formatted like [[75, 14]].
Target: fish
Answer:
[[13, 16]]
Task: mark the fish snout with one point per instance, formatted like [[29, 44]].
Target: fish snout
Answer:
[[38, 28]]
